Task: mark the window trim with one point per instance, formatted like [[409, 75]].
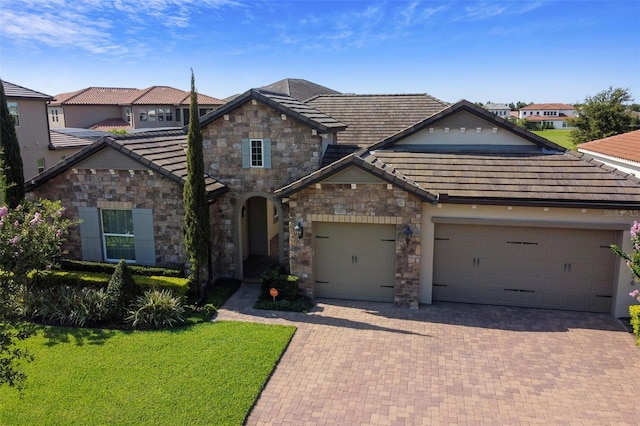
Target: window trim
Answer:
[[254, 164], [13, 106]]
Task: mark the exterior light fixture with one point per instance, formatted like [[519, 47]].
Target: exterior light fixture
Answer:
[[299, 230], [408, 233]]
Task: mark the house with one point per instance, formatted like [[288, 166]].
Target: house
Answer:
[[501, 110], [553, 116], [109, 108], [29, 110], [620, 151], [459, 205]]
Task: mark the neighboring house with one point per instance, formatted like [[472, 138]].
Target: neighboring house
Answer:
[[106, 108], [500, 110], [619, 151], [460, 205], [552, 115], [29, 111]]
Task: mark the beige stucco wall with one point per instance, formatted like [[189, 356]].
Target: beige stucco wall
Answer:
[[33, 134], [84, 116], [505, 215]]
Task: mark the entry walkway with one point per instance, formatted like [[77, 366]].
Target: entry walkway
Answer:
[[363, 363]]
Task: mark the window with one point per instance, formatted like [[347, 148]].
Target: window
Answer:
[[127, 114], [41, 165], [204, 111], [101, 227], [256, 153], [117, 235], [178, 114], [54, 116], [156, 114], [13, 112]]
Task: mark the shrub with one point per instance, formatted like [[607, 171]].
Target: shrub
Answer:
[[109, 268], [634, 311], [121, 291], [66, 305], [156, 309], [276, 277]]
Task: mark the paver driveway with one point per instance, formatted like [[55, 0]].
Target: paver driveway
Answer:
[[373, 363]]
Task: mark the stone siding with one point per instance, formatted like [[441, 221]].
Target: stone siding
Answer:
[[295, 152], [142, 189], [362, 203]]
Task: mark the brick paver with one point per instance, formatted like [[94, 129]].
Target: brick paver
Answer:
[[369, 363]]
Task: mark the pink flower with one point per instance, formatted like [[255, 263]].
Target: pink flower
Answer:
[[3, 211], [14, 240], [36, 219], [16, 223], [635, 230], [59, 233]]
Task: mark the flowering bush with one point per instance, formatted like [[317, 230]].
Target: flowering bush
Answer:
[[31, 237]]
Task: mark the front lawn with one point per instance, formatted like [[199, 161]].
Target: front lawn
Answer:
[[209, 373], [560, 137]]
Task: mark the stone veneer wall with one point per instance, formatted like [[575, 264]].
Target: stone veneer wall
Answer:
[[366, 203], [295, 152], [82, 188]]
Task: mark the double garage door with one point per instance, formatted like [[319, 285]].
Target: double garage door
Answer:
[[569, 269], [355, 261]]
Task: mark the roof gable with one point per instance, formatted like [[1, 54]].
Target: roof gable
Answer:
[[162, 152], [282, 103], [462, 120]]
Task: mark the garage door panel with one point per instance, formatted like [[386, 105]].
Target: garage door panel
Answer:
[[526, 266], [355, 261]]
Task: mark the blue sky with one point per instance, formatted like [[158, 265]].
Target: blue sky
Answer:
[[499, 51]]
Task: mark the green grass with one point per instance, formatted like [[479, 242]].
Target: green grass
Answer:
[[209, 373], [560, 137]]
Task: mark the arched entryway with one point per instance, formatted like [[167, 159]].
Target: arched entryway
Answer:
[[259, 235]]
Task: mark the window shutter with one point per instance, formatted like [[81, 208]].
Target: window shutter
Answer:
[[246, 153], [90, 235], [144, 238], [266, 147]]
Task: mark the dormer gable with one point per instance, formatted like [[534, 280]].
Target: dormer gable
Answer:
[[466, 127]]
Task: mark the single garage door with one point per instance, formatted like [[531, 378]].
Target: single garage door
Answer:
[[570, 269], [355, 261]]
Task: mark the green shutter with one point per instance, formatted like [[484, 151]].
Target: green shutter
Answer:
[[266, 146], [143, 235], [246, 153], [90, 235]]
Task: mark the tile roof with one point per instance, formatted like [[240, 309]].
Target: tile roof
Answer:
[[284, 104], [546, 106], [561, 179], [14, 91], [336, 152], [512, 178], [164, 95], [94, 96], [371, 118], [163, 152], [111, 124], [74, 138], [298, 88], [155, 95], [625, 146]]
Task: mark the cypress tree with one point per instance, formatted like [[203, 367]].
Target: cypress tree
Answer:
[[196, 217], [10, 158]]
